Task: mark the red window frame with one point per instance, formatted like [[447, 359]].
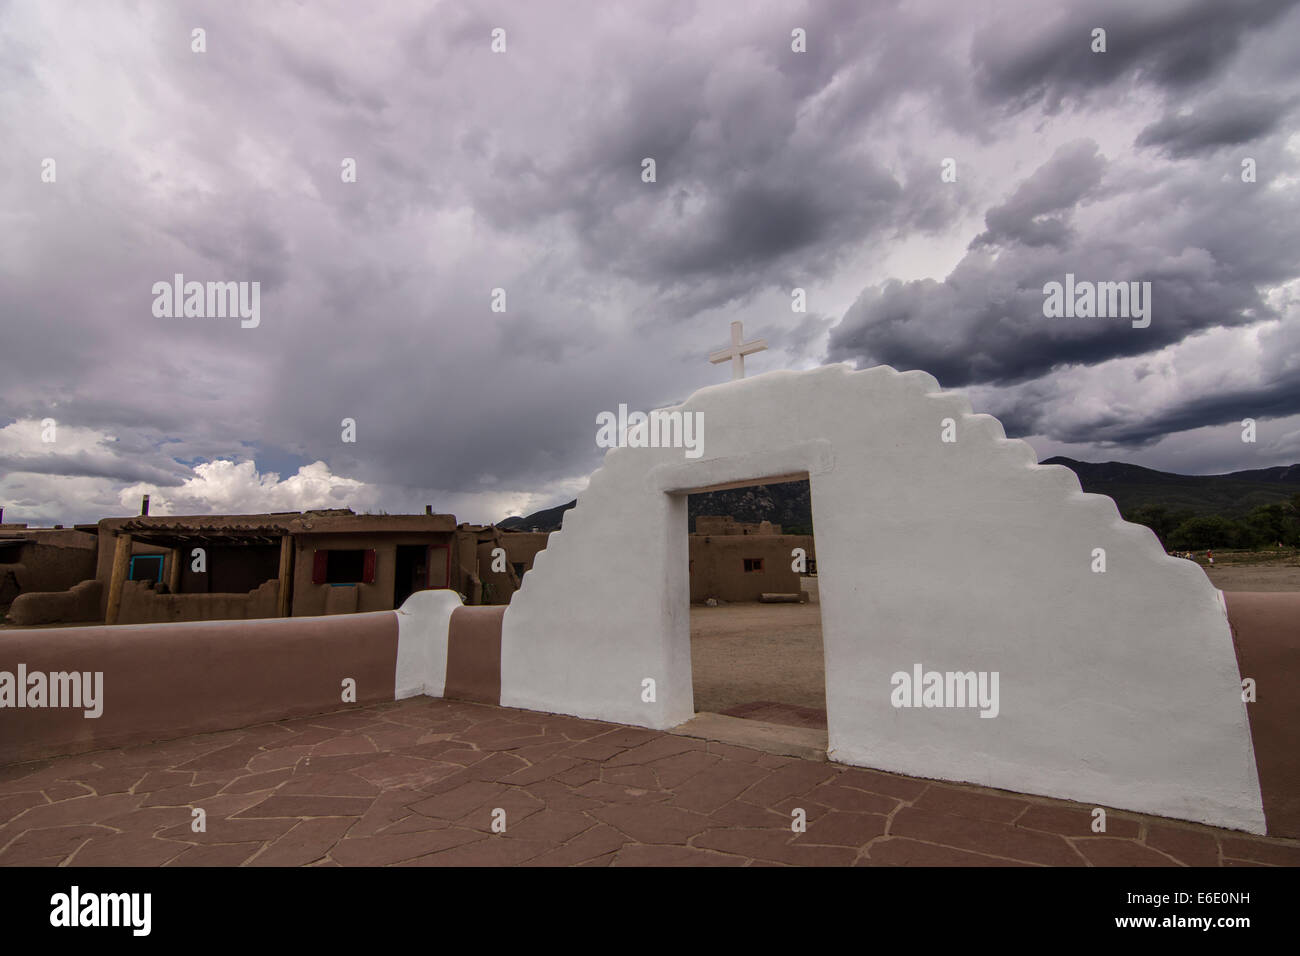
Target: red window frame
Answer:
[[320, 565]]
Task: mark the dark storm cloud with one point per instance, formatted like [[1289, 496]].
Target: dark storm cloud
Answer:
[[523, 171], [1133, 416], [1210, 126], [985, 322], [752, 186], [752, 226], [1172, 44], [1035, 215], [799, 339], [1273, 399], [1206, 252], [1276, 399], [87, 464]]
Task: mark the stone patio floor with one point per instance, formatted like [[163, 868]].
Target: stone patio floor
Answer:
[[415, 783]]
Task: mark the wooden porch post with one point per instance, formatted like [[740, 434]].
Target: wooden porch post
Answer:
[[174, 577], [121, 562], [285, 596]]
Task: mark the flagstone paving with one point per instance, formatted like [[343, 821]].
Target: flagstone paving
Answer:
[[420, 782]]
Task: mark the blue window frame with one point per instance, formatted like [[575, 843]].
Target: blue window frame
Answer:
[[146, 567]]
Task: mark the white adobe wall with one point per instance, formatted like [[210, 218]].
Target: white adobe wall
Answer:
[[423, 629], [1118, 689]]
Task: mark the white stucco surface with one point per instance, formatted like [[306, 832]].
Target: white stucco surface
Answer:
[[1119, 689], [423, 623]]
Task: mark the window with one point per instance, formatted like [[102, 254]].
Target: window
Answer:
[[146, 567], [337, 566], [753, 564]]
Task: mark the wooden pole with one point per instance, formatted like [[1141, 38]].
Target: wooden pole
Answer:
[[121, 562], [284, 598], [174, 578]]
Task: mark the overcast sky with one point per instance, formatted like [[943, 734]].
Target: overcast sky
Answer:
[[522, 170]]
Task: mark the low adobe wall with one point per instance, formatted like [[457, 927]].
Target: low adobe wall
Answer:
[[167, 680], [474, 654], [79, 603], [162, 681], [1266, 633], [13, 578], [141, 604]]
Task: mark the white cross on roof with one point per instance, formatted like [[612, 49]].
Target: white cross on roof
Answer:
[[737, 351]]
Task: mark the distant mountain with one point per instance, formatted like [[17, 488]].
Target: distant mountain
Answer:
[[1234, 494], [547, 520], [789, 504]]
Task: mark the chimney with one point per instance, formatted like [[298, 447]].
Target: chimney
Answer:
[[428, 509], [144, 506]]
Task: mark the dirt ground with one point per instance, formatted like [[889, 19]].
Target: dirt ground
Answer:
[[741, 653], [1259, 577]]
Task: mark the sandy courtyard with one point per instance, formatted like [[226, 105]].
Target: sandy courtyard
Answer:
[[745, 653], [1255, 577]]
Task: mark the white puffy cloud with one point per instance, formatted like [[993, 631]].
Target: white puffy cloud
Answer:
[[228, 487], [87, 474]]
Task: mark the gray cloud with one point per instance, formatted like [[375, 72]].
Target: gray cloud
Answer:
[[1036, 212], [1206, 252], [1171, 44], [1227, 122], [83, 464], [522, 171]]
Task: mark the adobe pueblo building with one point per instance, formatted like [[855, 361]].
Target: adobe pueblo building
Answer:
[[733, 561], [237, 567], [45, 559]]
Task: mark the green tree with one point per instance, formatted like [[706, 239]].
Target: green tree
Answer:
[[1155, 517], [1159, 519], [1268, 525], [1291, 523], [1209, 531]]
